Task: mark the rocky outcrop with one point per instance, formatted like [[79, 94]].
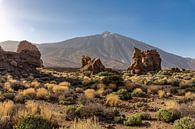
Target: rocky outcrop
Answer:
[[24, 61], [95, 65], [146, 61]]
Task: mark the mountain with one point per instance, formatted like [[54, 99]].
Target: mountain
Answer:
[[114, 50]]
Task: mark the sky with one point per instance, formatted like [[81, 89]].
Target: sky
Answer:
[[166, 24]]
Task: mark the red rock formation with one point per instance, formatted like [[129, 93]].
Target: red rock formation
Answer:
[[85, 60], [146, 61], [94, 65], [25, 60]]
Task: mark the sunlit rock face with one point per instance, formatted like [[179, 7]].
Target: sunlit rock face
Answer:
[[24, 61], [146, 61], [95, 65]]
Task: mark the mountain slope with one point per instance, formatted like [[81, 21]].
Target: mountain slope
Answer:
[[114, 50]]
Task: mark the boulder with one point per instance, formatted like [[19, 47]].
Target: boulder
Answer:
[[95, 65], [29, 54], [146, 61], [25, 60]]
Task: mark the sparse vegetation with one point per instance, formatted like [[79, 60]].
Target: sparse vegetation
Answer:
[[98, 101]]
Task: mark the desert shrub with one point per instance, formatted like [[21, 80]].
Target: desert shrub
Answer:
[[90, 93], [34, 122], [114, 79], [42, 93], [86, 124], [187, 83], [184, 123], [7, 87], [165, 72], [78, 90], [161, 93], [160, 82], [7, 108], [124, 94], [66, 100], [130, 86], [153, 89], [29, 93], [112, 99], [49, 86], [10, 96], [35, 84], [171, 104], [17, 86], [119, 119], [167, 115], [133, 120], [145, 116], [106, 73], [87, 73], [66, 84], [53, 97], [174, 82], [100, 90], [19, 98], [60, 89], [137, 93], [174, 90], [90, 111], [139, 104]]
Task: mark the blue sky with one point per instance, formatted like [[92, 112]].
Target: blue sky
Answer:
[[167, 24]]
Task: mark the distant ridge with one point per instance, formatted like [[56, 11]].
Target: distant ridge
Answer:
[[115, 51]]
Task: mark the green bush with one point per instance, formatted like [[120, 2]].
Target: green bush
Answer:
[[114, 79], [167, 115], [133, 120], [184, 123], [34, 122], [106, 73], [124, 94]]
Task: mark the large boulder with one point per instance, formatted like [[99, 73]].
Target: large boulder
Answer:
[[95, 65], [146, 61], [29, 54], [24, 61]]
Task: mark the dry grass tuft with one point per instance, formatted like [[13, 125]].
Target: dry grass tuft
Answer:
[[171, 104], [60, 89], [112, 99], [30, 92], [161, 93], [66, 84], [90, 93], [35, 84], [86, 124], [42, 93], [7, 108]]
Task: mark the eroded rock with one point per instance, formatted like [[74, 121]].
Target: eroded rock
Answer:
[[146, 61], [95, 65], [24, 61]]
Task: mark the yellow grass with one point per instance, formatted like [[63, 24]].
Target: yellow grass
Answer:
[[86, 124], [161, 93], [66, 84], [49, 86], [90, 93], [42, 93], [60, 89], [112, 99], [35, 84], [29, 92], [7, 108], [171, 104], [7, 86]]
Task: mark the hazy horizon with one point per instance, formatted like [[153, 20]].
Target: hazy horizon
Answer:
[[168, 25]]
